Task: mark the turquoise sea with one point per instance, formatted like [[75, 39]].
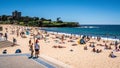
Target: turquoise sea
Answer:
[[106, 31]]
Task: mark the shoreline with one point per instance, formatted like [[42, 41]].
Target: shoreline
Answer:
[[104, 38], [75, 56], [99, 34]]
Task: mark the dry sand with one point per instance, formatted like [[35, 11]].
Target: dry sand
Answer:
[[78, 58]]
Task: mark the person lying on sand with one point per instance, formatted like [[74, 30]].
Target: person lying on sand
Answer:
[[91, 45], [70, 40], [100, 45], [85, 48], [98, 50], [74, 44], [59, 46], [107, 47]]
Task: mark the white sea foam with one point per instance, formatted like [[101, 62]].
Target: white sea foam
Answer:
[[87, 27], [104, 38], [110, 39]]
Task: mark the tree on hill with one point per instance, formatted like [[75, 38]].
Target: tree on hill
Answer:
[[4, 17], [40, 23], [26, 19], [36, 18], [43, 19], [58, 20], [49, 21]]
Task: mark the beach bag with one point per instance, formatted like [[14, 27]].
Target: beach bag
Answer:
[[5, 51], [18, 51]]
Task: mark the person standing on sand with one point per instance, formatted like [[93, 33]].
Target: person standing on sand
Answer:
[[6, 36], [17, 32], [14, 41], [6, 29], [62, 38], [37, 48], [116, 44], [31, 49]]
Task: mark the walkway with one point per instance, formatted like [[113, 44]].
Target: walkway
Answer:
[[22, 61]]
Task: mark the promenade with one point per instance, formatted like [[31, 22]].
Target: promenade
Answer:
[[22, 61]]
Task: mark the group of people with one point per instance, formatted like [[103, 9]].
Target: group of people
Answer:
[[5, 35], [34, 47]]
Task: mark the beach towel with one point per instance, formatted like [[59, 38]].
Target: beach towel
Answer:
[[78, 41]]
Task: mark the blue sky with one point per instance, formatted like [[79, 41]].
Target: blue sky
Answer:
[[82, 11]]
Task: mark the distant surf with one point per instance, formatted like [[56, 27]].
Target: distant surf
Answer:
[[87, 27], [106, 31]]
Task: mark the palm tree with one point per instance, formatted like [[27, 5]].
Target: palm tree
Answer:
[[58, 19]]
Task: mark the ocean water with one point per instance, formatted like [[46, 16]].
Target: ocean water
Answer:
[[106, 31]]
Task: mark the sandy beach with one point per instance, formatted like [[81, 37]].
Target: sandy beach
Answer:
[[70, 52]]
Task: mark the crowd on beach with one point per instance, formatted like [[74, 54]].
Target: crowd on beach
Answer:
[[115, 44], [37, 35], [22, 32]]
